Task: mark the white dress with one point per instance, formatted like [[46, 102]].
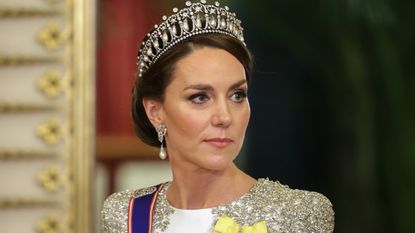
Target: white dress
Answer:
[[190, 221]]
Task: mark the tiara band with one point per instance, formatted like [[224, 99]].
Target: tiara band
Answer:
[[194, 19]]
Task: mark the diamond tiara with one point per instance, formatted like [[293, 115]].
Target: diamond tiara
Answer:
[[194, 19]]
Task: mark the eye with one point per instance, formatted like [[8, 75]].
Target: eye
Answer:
[[239, 96], [199, 98]]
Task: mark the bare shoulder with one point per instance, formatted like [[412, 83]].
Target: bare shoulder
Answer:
[[296, 210]]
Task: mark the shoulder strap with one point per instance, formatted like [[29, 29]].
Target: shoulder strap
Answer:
[[140, 211]]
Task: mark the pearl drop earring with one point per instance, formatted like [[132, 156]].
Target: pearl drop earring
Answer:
[[161, 132]]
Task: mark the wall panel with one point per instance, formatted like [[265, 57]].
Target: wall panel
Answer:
[[47, 115]]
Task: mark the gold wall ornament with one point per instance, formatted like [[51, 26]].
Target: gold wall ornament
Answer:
[[49, 224], [75, 57], [26, 202], [19, 60], [50, 131], [17, 12], [50, 36], [50, 84], [51, 178], [26, 107], [20, 154]]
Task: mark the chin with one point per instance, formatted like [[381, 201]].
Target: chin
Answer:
[[219, 162]]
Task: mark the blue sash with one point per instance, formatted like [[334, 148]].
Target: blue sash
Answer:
[[140, 212]]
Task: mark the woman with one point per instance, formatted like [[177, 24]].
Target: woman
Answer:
[[190, 98]]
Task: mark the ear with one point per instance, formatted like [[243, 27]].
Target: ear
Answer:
[[154, 110]]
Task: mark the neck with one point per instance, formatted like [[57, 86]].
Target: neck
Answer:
[[200, 189]]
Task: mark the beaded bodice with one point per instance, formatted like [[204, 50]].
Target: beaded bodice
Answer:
[[285, 210]]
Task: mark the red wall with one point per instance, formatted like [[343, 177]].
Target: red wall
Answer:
[[122, 25]]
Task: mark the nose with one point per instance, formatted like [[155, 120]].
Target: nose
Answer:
[[222, 116]]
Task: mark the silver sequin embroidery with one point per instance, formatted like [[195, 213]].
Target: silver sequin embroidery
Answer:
[[285, 210]]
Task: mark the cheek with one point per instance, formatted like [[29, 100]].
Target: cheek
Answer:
[[185, 122], [248, 116], [243, 120]]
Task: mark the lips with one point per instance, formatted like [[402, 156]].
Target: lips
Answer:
[[219, 142]]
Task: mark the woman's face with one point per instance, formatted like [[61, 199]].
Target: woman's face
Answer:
[[206, 110]]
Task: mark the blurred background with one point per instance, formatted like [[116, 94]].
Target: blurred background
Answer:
[[332, 98], [332, 101]]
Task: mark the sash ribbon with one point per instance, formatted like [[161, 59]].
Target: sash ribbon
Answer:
[[140, 212]]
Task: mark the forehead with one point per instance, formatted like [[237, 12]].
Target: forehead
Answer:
[[208, 65]]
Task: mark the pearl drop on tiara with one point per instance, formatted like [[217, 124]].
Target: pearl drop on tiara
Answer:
[[194, 19]]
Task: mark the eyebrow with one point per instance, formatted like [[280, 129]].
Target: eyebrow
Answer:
[[206, 87]]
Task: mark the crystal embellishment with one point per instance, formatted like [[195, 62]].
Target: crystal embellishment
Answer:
[[284, 209], [194, 19]]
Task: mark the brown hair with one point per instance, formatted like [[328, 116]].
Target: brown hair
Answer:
[[152, 84]]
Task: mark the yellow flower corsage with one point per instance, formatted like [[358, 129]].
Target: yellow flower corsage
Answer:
[[226, 224]]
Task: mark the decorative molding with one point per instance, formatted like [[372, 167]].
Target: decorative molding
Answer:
[[51, 223], [50, 178], [109, 148], [18, 154], [18, 60], [17, 12], [83, 120], [50, 84], [51, 132], [27, 202], [50, 36], [26, 107], [69, 180]]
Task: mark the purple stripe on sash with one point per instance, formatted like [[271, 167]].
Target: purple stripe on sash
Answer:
[[142, 213]]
